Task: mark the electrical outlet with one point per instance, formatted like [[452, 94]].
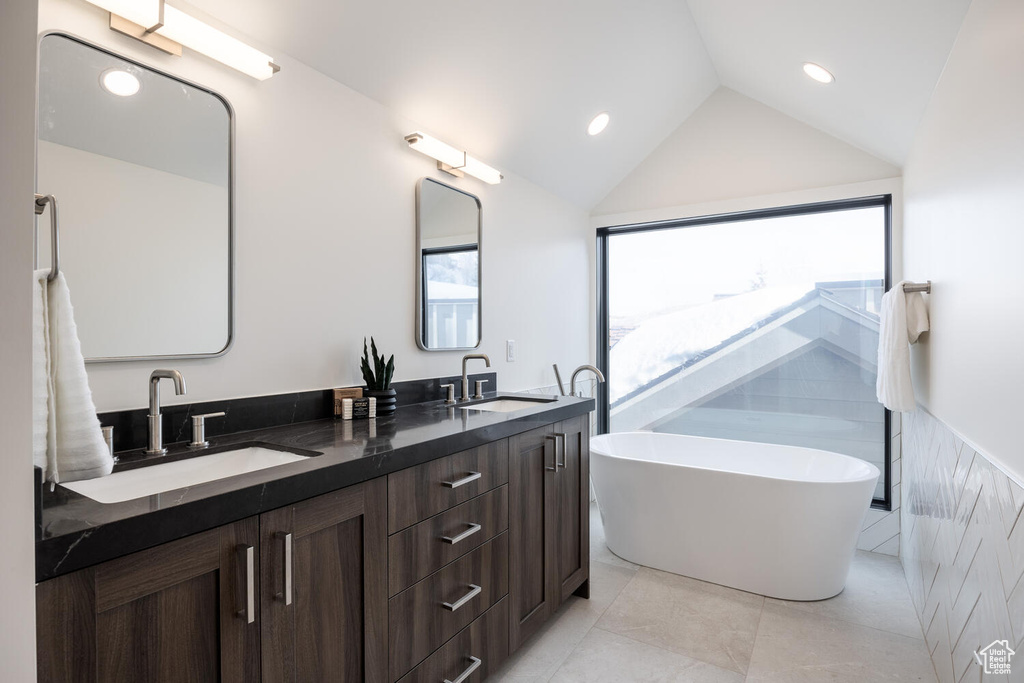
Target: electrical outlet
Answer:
[[510, 351]]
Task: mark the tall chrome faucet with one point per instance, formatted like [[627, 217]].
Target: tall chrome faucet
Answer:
[[156, 429], [465, 377], [577, 371]]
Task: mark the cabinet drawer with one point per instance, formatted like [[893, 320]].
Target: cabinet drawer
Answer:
[[424, 548], [426, 615], [423, 491], [486, 640]]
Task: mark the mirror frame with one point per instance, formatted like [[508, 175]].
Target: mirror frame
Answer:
[[419, 267], [231, 195]]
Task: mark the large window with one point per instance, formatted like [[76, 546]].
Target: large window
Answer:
[[761, 326]]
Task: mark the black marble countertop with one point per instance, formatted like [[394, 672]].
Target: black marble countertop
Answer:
[[77, 532]]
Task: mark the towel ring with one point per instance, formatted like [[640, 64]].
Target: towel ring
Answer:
[[40, 205]]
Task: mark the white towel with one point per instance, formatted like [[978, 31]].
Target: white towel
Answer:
[[904, 317], [72, 446]]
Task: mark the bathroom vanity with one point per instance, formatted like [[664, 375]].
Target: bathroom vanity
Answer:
[[425, 546]]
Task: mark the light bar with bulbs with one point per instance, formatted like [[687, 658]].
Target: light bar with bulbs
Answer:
[[452, 160], [168, 28]]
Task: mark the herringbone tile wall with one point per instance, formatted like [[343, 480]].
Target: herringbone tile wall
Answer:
[[962, 548]]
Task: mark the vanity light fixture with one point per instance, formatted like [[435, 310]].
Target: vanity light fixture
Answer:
[[818, 72], [451, 160], [119, 82], [598, 123], [168, 28]]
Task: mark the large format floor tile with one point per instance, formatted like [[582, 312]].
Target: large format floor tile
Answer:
[[645, 625], [710, 623], [876, 595], [604, 657], [541, 655], [794, 646]]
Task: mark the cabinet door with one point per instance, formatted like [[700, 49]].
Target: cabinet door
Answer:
[[323, 587], [533, 591], [571, 519], [177, 612]]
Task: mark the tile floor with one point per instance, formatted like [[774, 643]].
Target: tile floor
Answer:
[[645, 625]]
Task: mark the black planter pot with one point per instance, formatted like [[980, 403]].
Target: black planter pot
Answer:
[[387, 400]]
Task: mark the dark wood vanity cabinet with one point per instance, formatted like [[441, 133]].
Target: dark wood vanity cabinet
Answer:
[[298, 594], [323, 579], [177, 612], [549, 522], [436, 572]]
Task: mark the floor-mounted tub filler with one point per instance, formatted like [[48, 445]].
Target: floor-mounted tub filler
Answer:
[[780, 521]]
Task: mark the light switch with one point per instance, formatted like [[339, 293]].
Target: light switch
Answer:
[[510, 351]]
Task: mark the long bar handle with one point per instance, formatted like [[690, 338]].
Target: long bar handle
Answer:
[[473, 528], [472, 476], [474, 591], [474, 664], [562, 437], [554, 438], [247, 553], [287, 594]]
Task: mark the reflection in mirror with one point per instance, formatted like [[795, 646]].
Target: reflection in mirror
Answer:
[[448, 265], [141, 165]]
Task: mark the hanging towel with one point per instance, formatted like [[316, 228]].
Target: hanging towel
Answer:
[[904, 317], [73, 447]]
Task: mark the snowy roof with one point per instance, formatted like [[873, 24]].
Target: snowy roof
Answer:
[[667, 343], [449, 291]]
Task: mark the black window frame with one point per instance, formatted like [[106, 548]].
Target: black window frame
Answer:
[[884, 201], [434, 251]]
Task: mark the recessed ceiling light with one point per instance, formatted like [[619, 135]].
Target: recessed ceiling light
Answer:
[[119, 82], [818, 73], [598, 123]]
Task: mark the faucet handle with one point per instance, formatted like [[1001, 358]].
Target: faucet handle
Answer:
[[199, 429], [450, 399], [480, 389]]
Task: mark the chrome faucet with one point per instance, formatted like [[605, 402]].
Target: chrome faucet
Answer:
[[465, 377], [577, 371], [156, 429]]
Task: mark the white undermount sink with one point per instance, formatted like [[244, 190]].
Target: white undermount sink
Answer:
[[507, 405], [150, 480]]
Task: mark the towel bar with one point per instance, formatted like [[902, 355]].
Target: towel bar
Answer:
[[40, 205], [917, 287]]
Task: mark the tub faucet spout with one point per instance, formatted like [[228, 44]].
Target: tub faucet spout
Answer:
[[577, 371]]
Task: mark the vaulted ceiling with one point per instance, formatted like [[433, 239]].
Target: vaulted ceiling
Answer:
[[515, 83]]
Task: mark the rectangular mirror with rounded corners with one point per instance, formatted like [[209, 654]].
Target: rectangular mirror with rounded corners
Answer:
[[448, 295], [141, 166]]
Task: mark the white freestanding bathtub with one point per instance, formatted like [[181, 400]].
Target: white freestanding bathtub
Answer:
[[780, 521]]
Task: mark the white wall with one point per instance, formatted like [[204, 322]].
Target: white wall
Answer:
[[733, 146], [964, 185], [325, 242], [114, 210], [17, 159]]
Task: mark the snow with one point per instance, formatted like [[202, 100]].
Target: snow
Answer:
[[665, 342]]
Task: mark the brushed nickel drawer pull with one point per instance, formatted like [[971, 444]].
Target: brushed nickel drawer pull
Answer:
[[287, 594], [554, 438], [562, 464], [472, 476], [248, 558], [474, 664], [473, 528], [474, 591]]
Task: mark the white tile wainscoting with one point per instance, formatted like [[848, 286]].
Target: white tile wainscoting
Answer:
[[962, 549]]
